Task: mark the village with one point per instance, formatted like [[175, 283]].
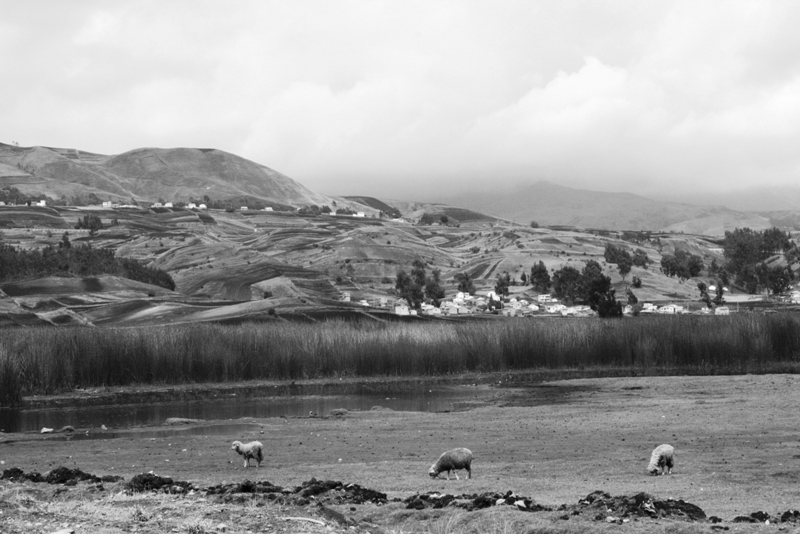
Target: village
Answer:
[[543, 305]]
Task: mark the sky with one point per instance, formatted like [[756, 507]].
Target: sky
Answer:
[[418, 99]]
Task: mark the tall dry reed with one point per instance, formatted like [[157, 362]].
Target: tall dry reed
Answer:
[[50, 360]]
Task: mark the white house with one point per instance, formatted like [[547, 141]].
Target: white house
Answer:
[[167, 204], [359, 214], [202, 207], [401, 308], [533, 307], [345, 297], [42, 203], [155, 205], [544, 298], [722, 310], [243, 208], [554, 308], [107, 204], [191, 206], [267, 209]]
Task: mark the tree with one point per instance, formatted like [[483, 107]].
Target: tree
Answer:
[[775, 278], [64, 243], [501, 283], [524, 278], [608, 306], [540, 277], [418, 273], [534, 224], [444, 219], [640, 258], [631, 297], [91, 222], [433, 287], [408, 289], [624, 266], [595, 285], [636, 281], [567, 284], [465, 284]]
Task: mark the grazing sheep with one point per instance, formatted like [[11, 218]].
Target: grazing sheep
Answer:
[[453, 460], [661, 458], [254, 450]]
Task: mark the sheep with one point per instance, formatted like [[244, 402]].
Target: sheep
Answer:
[[662, 457], [453, 460], [254, 450]]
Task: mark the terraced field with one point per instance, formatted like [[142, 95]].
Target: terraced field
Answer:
[[293, 263]]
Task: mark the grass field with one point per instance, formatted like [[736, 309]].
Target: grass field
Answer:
[[54, 360]]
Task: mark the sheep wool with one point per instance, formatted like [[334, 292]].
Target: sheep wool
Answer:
[[254, 450], [453, 460], [661, 459]]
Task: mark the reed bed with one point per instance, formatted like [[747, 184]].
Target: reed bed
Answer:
[[59, 359]]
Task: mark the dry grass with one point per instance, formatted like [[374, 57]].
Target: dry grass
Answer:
[[49, 360]]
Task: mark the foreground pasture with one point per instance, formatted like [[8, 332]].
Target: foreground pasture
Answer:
[[736, 440]]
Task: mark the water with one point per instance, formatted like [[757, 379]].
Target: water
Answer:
[[125, 416]]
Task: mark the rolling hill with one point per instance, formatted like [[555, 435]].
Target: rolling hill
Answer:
[[149, 174], [553, 205]]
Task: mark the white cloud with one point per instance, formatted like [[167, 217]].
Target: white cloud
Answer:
[[382, 97]]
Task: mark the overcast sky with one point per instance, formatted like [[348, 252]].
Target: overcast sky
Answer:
[[409, 99]]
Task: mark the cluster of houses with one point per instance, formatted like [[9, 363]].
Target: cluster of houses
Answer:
[[466, 304], [40, 203]]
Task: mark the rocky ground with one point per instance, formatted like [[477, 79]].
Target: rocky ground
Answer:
[[574, 464]]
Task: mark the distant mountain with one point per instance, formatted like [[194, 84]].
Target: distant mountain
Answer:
[[761, 198], [148, 174], [550, 204]]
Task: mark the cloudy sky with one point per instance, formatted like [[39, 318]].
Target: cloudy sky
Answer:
[[411, 99]]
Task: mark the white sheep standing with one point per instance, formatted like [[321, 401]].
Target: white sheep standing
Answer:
[[453, 460], [662, 457], [254, 450]]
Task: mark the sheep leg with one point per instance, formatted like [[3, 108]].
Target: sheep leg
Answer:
[[469, 472], [448, 474], [456, 473], [246, 462]]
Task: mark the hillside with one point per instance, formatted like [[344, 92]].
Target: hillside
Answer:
[[148, 174], [255, 265]]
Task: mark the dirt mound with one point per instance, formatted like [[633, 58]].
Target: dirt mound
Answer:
[[59, 475], [15, 474], [249, 487], [789, 516], [604, 507], [473, 502], [319, 491], [152, 482]]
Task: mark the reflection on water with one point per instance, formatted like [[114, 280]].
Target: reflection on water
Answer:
[[235, 407]]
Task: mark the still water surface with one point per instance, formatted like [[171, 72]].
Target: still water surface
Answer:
[[126, 416]]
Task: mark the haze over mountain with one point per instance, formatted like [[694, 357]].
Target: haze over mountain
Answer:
[[186, 174]]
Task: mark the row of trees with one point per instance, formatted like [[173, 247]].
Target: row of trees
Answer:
[[682, 264], [80, 260], [760, 260], [418, 285], [624, 260], [588, 286]]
